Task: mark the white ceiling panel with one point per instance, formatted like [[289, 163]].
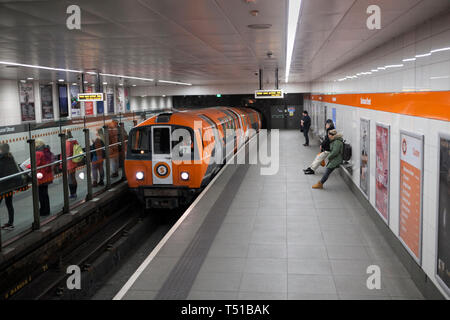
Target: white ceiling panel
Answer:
[[196, 41]]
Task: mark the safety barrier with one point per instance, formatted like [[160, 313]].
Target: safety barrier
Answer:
[[38, 182]]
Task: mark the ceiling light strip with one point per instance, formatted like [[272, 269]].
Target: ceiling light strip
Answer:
[[175, 82], [293, 19]]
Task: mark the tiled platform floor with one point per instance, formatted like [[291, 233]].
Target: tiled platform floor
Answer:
[[277, 239]]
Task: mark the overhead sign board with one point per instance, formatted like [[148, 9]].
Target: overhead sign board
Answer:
[[269, 94], [91, 97]]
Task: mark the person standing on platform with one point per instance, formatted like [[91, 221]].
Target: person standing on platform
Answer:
[[8, 166], [113, 130], [71, 165], [44, 175], [324, 149], [335, 158], [97, 159], [305, 126]]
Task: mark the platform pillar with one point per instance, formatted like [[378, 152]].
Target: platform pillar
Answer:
[[34, 185], [107, 159], [63, 138], [87, 144]]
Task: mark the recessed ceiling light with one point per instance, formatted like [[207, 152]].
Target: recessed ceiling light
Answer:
[[74, 84], [85, 82], [61, 80], [105, 83], [23, 81], [30, 78], [134, 85], [163, 95], [120, 84], [259, 26]]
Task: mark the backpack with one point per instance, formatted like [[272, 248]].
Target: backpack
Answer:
[[77, 151], [347, 152]]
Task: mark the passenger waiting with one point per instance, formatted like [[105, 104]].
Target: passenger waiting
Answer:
[[113, 131], [71, 165], [324, 149], [8, 166], [44, 175], [97, 158], [335, 157], [305, 125]]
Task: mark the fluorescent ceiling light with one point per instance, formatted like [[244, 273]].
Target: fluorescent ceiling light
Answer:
[[61, 80], [409, 59], [175, 82], [441, 49], [423, 55], [30, 78], [374, 70], [394, 66], [37, 67], [125, 77], [381, 68], [105, 83], [293, 16], [443, 77]]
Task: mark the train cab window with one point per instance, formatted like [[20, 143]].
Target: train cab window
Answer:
[[140, 141], [161, 140]]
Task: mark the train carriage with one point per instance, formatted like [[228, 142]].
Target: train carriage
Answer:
[[172, 156]]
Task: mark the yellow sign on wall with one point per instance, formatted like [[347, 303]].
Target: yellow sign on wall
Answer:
[[91, 97], [269, 94]]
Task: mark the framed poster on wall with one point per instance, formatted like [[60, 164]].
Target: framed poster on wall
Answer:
[[26, 98], [127, 100], [88, 106], [364, 168], [411, 192], [382, 170], [74, 103], [120, 99], [63, 103], [334, 116], [47, 102], [443, 218]]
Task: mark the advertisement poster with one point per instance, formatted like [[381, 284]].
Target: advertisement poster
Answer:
[[382, 171], [63, 103], [110, 102], [47, 102], [411, 162], [127, 100], [364, 169], [74, 103], [443, 232], [334, 116], [26, 98], [89, 106], [100, 107], [120, 99]]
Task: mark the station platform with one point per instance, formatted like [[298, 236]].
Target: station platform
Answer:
[[250, 236]]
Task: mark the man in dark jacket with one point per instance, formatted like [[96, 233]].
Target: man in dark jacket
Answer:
[[335, 157], [324, 149], [306, 125], [8, 167]]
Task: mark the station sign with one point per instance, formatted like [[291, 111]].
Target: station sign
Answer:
[[269, 94], [91, 97]]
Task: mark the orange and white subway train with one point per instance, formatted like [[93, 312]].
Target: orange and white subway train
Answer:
[[172, 156]]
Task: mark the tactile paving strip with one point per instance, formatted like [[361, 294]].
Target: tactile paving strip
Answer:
[[182, 277]]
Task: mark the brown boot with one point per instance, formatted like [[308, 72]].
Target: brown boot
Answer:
[[318, 185]]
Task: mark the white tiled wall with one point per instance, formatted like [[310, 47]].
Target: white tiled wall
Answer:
[[431, 73]]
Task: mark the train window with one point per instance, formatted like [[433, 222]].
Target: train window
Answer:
[[139, 141], [161, 140]]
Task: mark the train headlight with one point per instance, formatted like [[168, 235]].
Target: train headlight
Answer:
[[139, 175], [184, 176]]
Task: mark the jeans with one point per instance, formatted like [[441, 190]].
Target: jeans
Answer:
[[326, 175], [96, 169], [320, 157], [72, 179], [9, 205], [44, 200], [306, 134]]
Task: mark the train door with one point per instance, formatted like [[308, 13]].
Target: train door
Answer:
[[162, 155]]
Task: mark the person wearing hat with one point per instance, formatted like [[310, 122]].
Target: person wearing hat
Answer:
[[8, 167], [324, 149], [335, 157]]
